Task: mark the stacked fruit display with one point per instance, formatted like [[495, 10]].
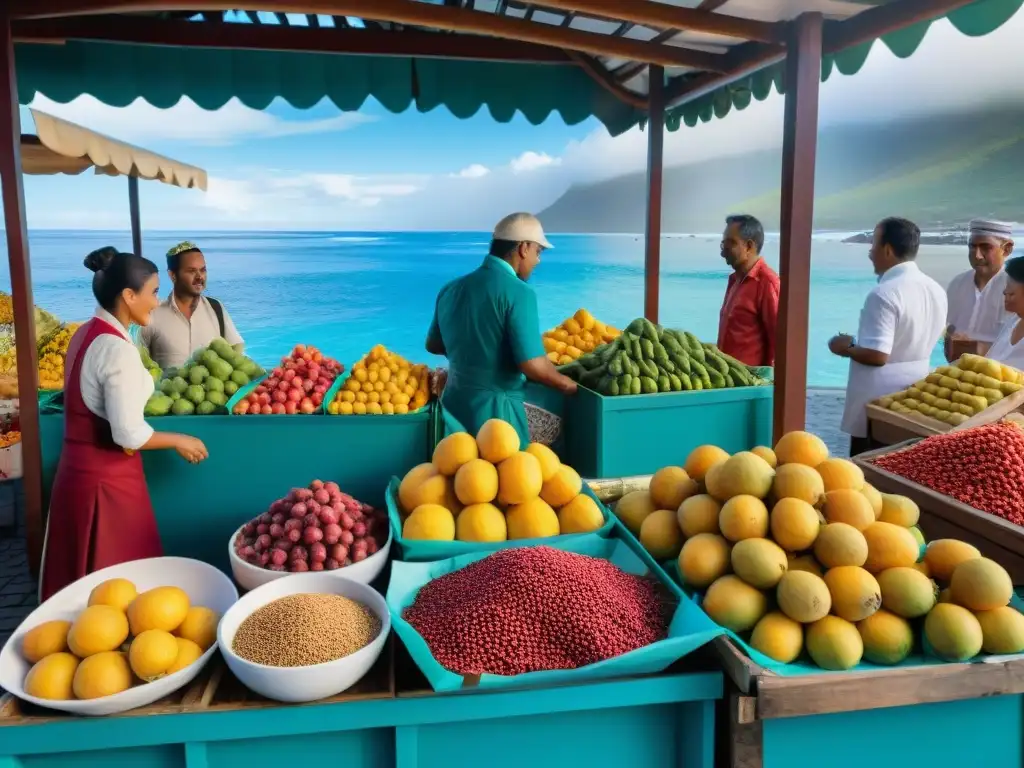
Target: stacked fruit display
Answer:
[[954, 393], [46, 326], [150, 365], [796, 549], [382, 383], [647, 358], [486, 489], [52, 355], [121, 639], [317, 528], [297, 385], [203, 385], [576, 336]]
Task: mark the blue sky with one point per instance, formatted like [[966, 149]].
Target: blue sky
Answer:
[[321, 169]]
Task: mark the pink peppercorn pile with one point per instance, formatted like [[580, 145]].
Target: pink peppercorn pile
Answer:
[[982, 467], [530, 609]]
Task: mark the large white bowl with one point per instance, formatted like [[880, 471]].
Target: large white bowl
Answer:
[[204, 584], [250, 576], [318, 681]]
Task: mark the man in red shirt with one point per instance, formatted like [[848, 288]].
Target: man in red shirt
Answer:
[[746, 324]]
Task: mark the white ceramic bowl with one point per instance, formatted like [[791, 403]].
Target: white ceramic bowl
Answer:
[[250, 576], [318, 681], [204, 584]]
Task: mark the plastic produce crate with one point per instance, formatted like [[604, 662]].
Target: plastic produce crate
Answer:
[[640, 434]]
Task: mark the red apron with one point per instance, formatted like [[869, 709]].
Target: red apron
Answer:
[[100, 512]]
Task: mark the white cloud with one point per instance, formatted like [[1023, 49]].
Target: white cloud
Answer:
[[474, 171], [140, 122], [532, 161]]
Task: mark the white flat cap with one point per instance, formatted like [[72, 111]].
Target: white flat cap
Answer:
[[987, 228], [521, 228]]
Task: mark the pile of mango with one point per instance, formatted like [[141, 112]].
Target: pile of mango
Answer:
[[648, 358], [204, 385], [52, 339], [954, 393], [52, 355], [382, 383], [795, 552], [576, 336]]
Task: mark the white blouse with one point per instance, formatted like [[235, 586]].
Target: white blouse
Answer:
[[115, 385], [1006, 352]]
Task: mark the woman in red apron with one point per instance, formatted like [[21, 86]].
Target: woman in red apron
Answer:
[[100, 512]]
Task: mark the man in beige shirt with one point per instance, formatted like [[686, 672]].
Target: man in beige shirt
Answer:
[[187, 320]]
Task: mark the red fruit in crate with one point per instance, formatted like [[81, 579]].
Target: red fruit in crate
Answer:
[[317, 552], [271, 384], [299, 553], [311, 521], [277, 409], [291, 408], [241, 408], [319, 389], [339, 552], [306, 406], [264, 398], [332, 533], [299, 510], [312, 535], [289, 374], [284, 386], [295, 395], [298, 566], [330, 564], [307, 386], [278, 557], [279, 396], [317, 399], [266, 410]]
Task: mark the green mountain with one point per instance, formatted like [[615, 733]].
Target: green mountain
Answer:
[[937, 171]]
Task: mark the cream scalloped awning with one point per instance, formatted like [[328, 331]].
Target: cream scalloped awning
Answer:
[[63, 147]]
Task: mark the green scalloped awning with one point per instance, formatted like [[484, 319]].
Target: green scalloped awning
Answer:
[[119, 74], [975, 20]]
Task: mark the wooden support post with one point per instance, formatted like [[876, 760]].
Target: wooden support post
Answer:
[[133, 210], [655, 166], [21, 292], [799, 146]]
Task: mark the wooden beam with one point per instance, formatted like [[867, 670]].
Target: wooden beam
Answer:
[[272, 37], [663, 16], [134, 214], [655, 168], [21, 294], [632, 69], [799, 147], [407, 12], [601, 76]]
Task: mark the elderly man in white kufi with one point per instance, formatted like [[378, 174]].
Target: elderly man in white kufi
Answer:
[[975, 297]]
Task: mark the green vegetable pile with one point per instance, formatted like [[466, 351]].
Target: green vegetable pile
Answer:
[[151, 366], [647, 358], [204, 385]]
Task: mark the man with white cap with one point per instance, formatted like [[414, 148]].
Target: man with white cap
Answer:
[[486, 324], [976, 311]]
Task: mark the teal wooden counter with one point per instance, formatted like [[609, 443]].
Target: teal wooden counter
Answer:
[[255, 460], [657, 722]]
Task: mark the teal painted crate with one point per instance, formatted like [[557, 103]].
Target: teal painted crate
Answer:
[[419, 551], [689, 628], [640, 434], [255, 461], [654, 722]]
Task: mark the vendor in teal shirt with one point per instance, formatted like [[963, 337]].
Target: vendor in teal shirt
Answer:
[[486, 324]]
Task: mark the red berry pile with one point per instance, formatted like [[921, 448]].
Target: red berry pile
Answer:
[[318, 528], [982, 467], [535, 608], [298, 385]]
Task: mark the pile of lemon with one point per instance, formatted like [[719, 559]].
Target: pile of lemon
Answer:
[[486, 489], [382, 383], [121, 639], [576, 336]]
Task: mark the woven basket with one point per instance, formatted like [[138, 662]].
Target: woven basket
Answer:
[[545, 426]]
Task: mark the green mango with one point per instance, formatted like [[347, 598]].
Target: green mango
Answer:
[[213, 384], [167, 386], [217, 398], [183, 407], [208, 358], [249, 368], [240, 378], [158, 405], [648, 385], [175, 396], [221, 369], [196, 394], [229, 388], [198, 374], [179, 384]]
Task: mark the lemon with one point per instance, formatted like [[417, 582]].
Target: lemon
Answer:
[[44, 639], [199, 626], [481, 522], [97, 629], [188, 653], [52, 677], [102, 674], [160, 608], [117, 593], [429, 522], [152, 653]]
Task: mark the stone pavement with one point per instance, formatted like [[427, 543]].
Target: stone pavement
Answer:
[[18, 589]]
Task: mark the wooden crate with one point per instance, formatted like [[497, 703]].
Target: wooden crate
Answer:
[[759, 700], [889, 427], [946, 518]]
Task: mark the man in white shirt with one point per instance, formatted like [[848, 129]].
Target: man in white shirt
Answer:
[[187, 320], [976, 311], [901, 322]]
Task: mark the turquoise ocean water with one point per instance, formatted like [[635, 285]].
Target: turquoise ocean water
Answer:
[[345, 292]]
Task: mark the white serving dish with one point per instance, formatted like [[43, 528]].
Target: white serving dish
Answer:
[[318, 681], [251, 576], [204, 584]]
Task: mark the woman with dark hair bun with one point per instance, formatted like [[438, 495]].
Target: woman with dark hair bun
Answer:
[[1007, 348], [100, 510]]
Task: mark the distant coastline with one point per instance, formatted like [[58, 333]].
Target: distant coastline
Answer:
[[953, 237]]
